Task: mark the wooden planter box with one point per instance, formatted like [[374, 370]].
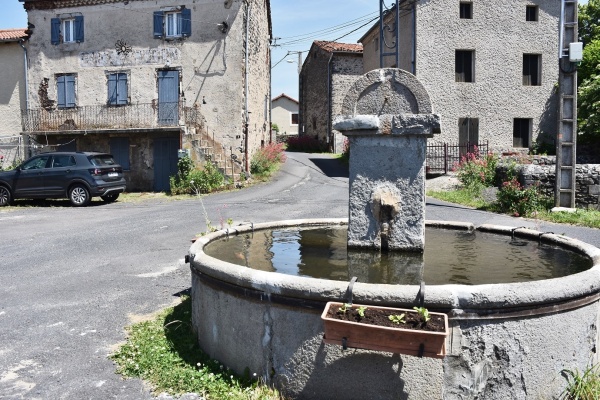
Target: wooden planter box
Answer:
[[380, 338]]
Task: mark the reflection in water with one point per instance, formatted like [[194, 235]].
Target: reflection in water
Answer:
[[450, 257]]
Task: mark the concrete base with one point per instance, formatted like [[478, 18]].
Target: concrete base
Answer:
[[507, 341]]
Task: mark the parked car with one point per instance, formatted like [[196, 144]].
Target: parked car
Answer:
[[78, 176]]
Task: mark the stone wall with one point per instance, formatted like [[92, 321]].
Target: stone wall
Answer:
[[543, 173]]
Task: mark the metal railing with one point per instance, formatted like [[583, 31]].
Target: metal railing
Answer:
[[443, 157], [131, 116]]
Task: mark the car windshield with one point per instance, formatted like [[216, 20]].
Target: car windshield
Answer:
[[102, 160]]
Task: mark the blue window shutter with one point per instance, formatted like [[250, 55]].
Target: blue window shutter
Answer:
[[55, 31], [121, 89], [186, 22], [112, 89], [78, 28], [159, 18], [60, 88], [69, 91]]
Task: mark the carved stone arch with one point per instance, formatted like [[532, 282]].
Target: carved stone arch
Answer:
[[387, 91]]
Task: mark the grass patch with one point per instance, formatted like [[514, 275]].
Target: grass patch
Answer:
[[461, 196], [584, 386], [587, 218], [164, 352]]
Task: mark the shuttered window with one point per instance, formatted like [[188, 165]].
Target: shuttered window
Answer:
[[65, 88], [173, 24], [117, 89], [521, 132], [67, 30], [532, 70]]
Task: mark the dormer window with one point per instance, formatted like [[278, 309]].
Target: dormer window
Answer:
[[173, 23], [66, 30]]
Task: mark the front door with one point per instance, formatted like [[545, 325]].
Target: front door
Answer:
[[168, 97], [29, 181], [165, 162]]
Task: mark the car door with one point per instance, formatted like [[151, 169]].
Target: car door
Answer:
[[29, 181], [59, 173]]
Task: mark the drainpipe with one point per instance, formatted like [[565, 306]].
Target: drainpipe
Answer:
[[21, 41], [247, 116], [329, 133], [26, 73], [414, 38]]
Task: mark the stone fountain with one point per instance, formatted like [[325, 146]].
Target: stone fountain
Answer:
[[507, 341]]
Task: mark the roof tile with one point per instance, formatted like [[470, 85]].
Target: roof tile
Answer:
[[7, 35], [335, 46]]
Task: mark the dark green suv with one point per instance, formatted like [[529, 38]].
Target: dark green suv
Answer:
[[78, 176]]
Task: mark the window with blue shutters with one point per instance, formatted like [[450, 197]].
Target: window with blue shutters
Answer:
[[65, 88], [117, 89], [66, 30], [173, 24], [119, 148]]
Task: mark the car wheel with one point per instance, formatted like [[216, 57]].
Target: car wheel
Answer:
[[4, 196], [109, 198], [79, 195]]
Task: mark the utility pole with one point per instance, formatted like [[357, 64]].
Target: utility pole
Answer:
[[569, 54]]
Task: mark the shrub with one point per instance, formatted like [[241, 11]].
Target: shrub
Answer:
[[266, 160], [195, 181], [520, 201], [305, 144], [476, 172]]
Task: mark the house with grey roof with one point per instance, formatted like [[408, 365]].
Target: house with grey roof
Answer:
[[149, 81], [284, 113], [328, 71]]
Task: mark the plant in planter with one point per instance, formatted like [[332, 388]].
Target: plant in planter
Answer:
[[416, 332]]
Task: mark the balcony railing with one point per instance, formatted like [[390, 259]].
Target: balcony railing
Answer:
[[131, 116]]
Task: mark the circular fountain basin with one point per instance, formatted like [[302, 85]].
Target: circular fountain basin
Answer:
[[507, 340]]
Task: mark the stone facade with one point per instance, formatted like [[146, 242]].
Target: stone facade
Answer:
[[284, 113], [498, 36], [203, 85], [12, 94], [329, 70]]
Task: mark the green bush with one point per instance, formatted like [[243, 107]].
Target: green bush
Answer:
[[476, 172], [266, 160], [304, 143], [520, 201], [195, 181]]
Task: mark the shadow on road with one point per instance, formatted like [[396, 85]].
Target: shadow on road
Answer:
[[332, 167]]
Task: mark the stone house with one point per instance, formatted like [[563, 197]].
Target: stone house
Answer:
[[490, 67], [12, 90], [328, 71], [150, 80], [284, 113]]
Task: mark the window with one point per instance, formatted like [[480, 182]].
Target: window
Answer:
[[466, 10], [468, 132], [119, 148], [66, 30], [173, 23], [531, 70], [294, 117], [63, 161], [531, 13], [464, 65], [117, 89], [521, 132], [36, 163], [65, 88]]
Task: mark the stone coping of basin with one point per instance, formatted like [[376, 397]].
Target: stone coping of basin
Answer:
[[549, 294]]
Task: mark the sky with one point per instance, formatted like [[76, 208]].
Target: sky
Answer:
[[296, 24]]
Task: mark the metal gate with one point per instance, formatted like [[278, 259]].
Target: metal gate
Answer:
[[443, 157]]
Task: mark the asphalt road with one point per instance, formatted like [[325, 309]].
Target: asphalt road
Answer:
[[72, 278]]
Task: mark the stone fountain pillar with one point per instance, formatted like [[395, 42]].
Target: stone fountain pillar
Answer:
[[387, 117]]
